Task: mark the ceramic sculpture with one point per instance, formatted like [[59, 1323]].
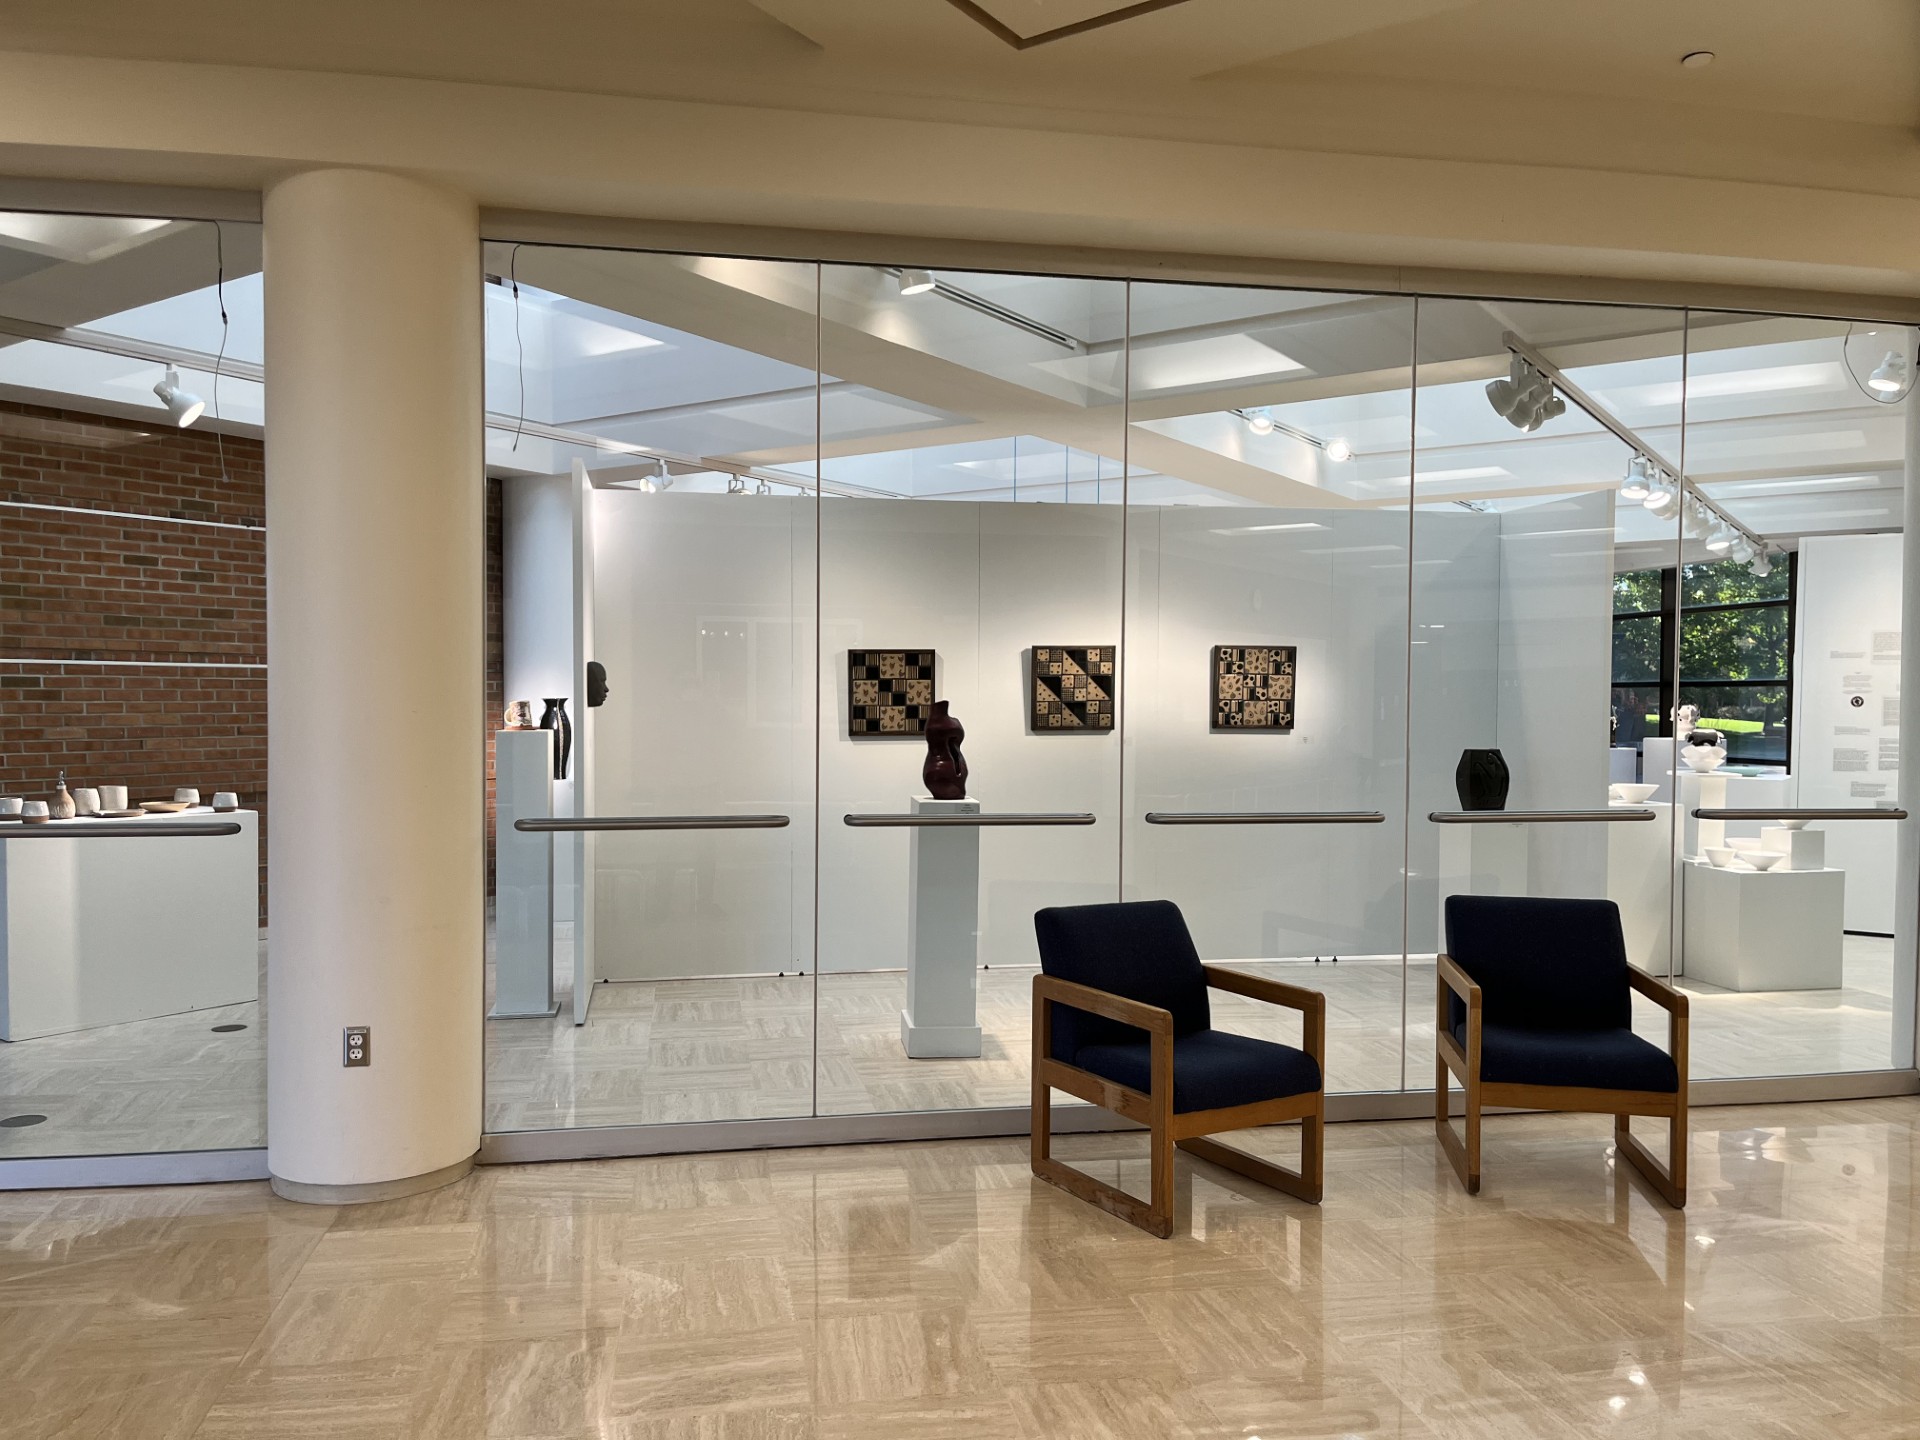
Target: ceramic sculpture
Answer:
[[1704, 752], [519, 715], [61, 807], [1481, 780], [554, 718], [945, 773]]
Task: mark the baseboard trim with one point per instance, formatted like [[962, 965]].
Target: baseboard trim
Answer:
[[107, 1172], [373, 1191]]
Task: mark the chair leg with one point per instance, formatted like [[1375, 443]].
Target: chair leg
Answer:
[[1670, 1180], [1307, 1183], [1155, 1216], [1463, 1156]]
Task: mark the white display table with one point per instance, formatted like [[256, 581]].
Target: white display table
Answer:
[[943, 936], [1764, 930], [1640, 879], [102, 931], [522, 876]]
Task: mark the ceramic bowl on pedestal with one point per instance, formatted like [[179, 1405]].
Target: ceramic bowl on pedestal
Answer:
[[1704, 758], [1627, 794], [1718, 856], [34, 812], [1764, 859], [1799, 824]]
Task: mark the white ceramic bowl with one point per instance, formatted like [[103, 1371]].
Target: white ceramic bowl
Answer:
[[1791, 824], [187, 794], [1719, 856], [10, 804], [1624, 794], [1763, 859], [1704, 758], [1743, 844], [34, 812]]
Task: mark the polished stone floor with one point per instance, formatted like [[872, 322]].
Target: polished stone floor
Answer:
[[731, 1049], [937, 1290]]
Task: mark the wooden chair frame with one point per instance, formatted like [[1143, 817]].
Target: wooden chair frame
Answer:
[[1670, 1180], [1154, 1108]]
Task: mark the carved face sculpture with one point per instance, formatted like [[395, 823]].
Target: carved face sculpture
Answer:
[[596, 684]]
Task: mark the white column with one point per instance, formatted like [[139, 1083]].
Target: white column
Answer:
[[1906, 874], [374, 633]]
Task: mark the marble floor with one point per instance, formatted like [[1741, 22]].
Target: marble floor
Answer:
[[734, 1049], [937, 1290]]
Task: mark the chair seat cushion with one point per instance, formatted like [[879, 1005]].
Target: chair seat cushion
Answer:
[[1588, 1059], [1212, 1069]]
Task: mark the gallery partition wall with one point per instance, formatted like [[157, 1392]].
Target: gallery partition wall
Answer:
[[1304, 610]]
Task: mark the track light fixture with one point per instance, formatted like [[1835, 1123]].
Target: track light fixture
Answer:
[[1762, 565], [1639, 482], [183, 406], [1742, 550], [763, 488], [1260, 421], [1526, 398], [1663, 496], [1339, 451], [736, 485], [1892, 375], [1720, 539], [916, 282], [1697, 521]]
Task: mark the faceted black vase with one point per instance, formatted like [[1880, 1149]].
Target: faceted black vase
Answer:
[[554, 717], [1481, 780]]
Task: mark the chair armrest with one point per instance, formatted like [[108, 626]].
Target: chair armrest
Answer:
[[1105, 1003], [1457, 980], [1658, 991], [1259, 987]]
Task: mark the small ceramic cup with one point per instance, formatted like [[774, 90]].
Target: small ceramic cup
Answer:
[[225, 800], [86, 801], [10, 806], [34, 812], [113, 797], [186, 794]]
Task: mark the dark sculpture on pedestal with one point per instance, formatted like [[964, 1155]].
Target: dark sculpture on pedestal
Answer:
[[945, 773], [1481, 780], [555, 718]]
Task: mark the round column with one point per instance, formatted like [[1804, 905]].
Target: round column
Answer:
[[375, 622]]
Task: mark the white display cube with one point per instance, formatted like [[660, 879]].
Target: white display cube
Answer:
[[942, 1018], [1764, 929], [523, 876], [1804, 849]]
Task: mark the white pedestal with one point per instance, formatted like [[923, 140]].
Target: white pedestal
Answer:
[[523, 876], [942, 1019], [1623, 765], [1764, 930], [1640, 881], [100, 932], [1804, 849], [1482, 860]]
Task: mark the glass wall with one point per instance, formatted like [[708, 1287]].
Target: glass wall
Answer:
[[1247, 598], [132, 687]]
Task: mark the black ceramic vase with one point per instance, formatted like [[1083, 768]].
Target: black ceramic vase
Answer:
[[554, 718], [1481, 780], [945, 773]]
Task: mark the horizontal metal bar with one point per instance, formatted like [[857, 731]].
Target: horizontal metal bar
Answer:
[[655, 822], [90, 1172], [1611, 815], [968, 822], [1854, 813], [1265, 817], [136, 830]]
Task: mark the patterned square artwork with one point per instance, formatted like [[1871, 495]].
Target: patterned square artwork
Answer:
[[1253, 687], [1071, 688], [889, 692]]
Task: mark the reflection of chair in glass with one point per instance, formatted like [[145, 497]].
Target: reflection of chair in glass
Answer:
[[1121, 1020], [1536, 1011]]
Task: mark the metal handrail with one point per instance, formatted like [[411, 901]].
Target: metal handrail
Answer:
[[1613, 814], [1265, 817], [915, 822], [539, 826], [140, 831], [1856, 813]]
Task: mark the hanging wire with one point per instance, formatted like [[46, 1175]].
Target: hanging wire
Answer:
[[519, 347], [1846, 364], [220, 361]]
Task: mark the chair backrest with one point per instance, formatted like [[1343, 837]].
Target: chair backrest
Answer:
[[1542, 964], [1140, 949]]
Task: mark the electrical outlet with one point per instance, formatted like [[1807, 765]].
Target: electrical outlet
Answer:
[[359, 1045]]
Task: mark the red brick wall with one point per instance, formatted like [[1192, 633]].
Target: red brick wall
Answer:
[[187, 602]]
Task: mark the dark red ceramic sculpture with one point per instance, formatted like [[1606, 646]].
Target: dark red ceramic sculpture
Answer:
[[945, 773]]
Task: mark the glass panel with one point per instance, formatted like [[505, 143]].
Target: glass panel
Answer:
[[1531, 531], [654, 514], [1792, 968], [133, 667], [971, 542], [1267, 641]]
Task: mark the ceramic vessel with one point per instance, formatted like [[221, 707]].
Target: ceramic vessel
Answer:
[[1719, 856], [9, 807], [226, 800], [1800, 824], [1763, 859], [34, 812], [1635, 794], [1704, 758], [61, 807], [86, 801], [945, 772], [113, 797], [519, 715], [1481, 780], [554, 718], [187, 795]]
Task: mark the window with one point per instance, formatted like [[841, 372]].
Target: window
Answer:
[[1642, 693]]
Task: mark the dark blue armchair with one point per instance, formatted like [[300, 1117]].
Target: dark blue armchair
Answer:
[[1535, 1011], [1121, 1020]]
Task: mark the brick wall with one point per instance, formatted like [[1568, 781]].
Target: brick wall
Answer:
[[132, 643]]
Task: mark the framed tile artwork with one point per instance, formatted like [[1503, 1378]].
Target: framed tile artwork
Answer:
[[1253, 687], [1070, 689], [889, 692]]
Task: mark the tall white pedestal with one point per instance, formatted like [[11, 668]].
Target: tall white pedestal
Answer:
[[1482, 860], [98, 931], [522, 876], [1640, 879], [1764, 930], [942, 1019]]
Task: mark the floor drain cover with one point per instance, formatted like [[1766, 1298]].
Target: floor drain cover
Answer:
[[227, 1029], [20, 1122]]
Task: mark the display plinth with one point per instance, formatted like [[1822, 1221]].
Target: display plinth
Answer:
[[1485, 859], [1640, 881], [523, 876], [94, 932], [1623, 765], [942, 1018], [1804, 849], [1764, 929]]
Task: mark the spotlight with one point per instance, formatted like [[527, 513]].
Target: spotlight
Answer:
[[1891, 375], [1504, 395], [1639, 482], [183, 406], [763, 488], [916, 282], [1339, 451], [1697, 521], [1742, 551], [1762, 565], [1721, 539], [736, 485], [1260, 421], [1663, 497]]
